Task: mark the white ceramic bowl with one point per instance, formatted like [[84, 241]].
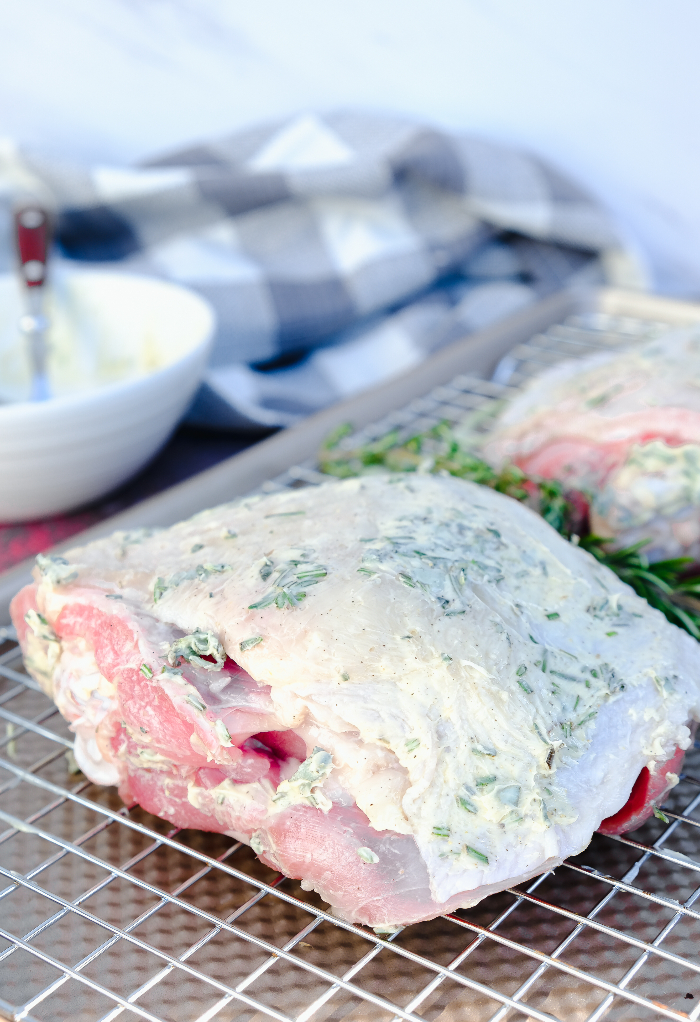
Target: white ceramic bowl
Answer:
[[128, 355]]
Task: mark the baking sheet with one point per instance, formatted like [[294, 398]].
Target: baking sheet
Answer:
[[106, 912]]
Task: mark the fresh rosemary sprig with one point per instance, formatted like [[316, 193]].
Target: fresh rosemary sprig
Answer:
[[439, 450], [663, 584], [668, 585]]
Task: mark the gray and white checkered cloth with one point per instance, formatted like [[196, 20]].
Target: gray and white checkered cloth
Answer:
[[370, 238]]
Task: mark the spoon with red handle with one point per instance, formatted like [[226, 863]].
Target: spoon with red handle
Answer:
[[32, 237]]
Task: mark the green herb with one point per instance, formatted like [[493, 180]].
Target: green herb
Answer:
[[479, 856], [441, 831], [223, 733], [446, 657], [146, 671], [589, 716], [266, 601], [441, 451], [553, 616], [465, 803], [412, 744], [578, 699], [366, 571], [285, 514], [533, 639], [345, 676], [660, 815], [561, 674], [484, 752], [407, 580], [195, 647], [197, 703], [521, 670], [567, 728], [483, 782], [56, 569], [524, 686], [611, 633], [367, 855], [249, 643], [666, 585], [289, 586], [201, 572], [510, 795], [197, 547], [536, 729], [512, 817], [113, 596]]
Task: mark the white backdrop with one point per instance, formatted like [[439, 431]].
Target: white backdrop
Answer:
[[608, 89]]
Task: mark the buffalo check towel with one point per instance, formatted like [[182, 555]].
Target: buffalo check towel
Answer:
[[336, 249]]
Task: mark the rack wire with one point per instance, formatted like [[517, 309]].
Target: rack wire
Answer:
[[108, 912]]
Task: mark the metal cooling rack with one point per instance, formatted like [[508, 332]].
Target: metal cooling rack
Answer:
[[107, 911]]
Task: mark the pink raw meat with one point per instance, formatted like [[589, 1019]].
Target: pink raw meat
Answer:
[[648, 793], [368, 683], [623, 429]]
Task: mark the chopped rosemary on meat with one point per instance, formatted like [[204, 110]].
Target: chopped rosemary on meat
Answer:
[[200, 572], [195, 647], [479, 856], [467, 804], [249, 643], [146, 671], [222, 733], [367, 855], [412, 744], [56, 569], [485, 782], [672, 586], [292, 579]]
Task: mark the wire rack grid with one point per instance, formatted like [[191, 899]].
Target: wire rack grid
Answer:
[[107, 911]]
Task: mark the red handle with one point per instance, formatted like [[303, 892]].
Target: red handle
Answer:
[[32, 235]]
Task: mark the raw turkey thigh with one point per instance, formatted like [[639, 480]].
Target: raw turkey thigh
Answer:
[[407, 691]]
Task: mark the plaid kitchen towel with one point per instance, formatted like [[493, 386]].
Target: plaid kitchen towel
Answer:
[[373, 239]]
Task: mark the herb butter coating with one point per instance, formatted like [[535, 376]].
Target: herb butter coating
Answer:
[[428, 694]]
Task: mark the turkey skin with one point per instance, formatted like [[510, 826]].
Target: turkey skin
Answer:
[[624, 430], [408, 691]]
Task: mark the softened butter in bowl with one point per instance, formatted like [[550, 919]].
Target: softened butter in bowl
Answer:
[[126, 354], [103, 328]]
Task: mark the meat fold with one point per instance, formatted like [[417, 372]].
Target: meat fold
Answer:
[[623, 428], [407, 691]]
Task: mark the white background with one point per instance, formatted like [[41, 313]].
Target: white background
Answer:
[[608, 89]]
